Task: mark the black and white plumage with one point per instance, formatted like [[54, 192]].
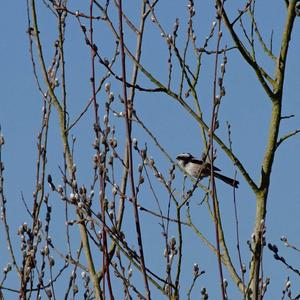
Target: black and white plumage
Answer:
[[199, 169]]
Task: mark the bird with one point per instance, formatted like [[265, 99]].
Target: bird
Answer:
[[200, 169]]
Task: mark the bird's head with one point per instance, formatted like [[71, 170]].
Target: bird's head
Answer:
[[184, 158]]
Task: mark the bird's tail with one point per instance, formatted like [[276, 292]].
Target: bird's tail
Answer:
[[227, 180]]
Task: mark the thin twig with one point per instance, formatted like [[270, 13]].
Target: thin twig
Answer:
[[130, 160]]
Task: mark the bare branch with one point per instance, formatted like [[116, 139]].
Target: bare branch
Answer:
[[285, 137]]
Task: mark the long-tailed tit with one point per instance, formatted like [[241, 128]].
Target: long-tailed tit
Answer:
[[199, 169]]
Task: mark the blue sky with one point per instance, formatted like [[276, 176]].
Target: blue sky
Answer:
[[245, 106]]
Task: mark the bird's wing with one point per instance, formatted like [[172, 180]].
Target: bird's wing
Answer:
[[216, 169], [200, 162], [197, 161]]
